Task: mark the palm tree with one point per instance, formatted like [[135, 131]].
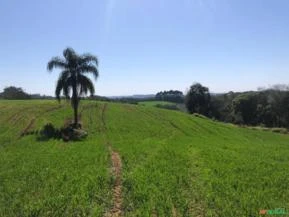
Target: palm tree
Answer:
[[72, 77]]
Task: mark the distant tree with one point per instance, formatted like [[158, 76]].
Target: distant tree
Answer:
[[278, 100], [245, 108], [14, 93], [285, 109], [72, 77], [216, 107], [221, 107], [198, 99]]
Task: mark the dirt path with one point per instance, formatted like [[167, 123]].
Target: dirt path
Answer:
[[116, 210], [116, 167]]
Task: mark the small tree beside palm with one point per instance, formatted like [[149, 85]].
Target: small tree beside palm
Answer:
[[73, 82]]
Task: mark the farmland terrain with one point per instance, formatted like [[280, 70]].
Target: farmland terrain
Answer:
[[136, 161]]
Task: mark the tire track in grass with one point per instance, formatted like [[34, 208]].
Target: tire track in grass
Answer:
[[165, 122], [20, 115], [54, 108], [30, 124], [28, 128], [116, 168], [178, 128]]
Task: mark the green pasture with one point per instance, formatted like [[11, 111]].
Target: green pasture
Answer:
[[173, 164]]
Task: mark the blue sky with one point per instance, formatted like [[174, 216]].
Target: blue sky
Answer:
[[145, 46]]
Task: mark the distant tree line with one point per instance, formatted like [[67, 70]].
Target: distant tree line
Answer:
[[265, 107], [170, 96], [14, 93], [268, 107], [99, 98]]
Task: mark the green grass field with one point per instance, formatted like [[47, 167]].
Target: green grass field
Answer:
[[173, 164]]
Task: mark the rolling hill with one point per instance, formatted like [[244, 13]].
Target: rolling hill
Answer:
[[137, 161]]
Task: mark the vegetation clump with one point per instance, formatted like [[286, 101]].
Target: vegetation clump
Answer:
[[68, 133]]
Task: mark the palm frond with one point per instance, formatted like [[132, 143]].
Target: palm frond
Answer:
[[66, 90], [63, 84], [89, 59], [65, 74], [59, 87], [56, 62], [89, 69], [85, 85]]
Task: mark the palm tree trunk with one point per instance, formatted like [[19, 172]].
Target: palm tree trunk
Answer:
[[75, 103], [75, 108]]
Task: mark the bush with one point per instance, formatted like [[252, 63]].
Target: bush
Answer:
[[68, 133], [49, 131]]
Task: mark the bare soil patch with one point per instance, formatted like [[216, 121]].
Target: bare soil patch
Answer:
[[117, 199], [116, 209]]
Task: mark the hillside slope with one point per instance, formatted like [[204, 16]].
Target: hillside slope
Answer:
[[172, 164]]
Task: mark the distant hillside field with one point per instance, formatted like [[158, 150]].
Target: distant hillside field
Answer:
[[137, 161]]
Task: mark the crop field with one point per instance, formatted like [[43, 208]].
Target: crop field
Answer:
[[137, 161]]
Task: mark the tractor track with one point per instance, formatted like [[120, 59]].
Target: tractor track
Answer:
[[116, 169], [30, 125], [27, 128], [164, 121]]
